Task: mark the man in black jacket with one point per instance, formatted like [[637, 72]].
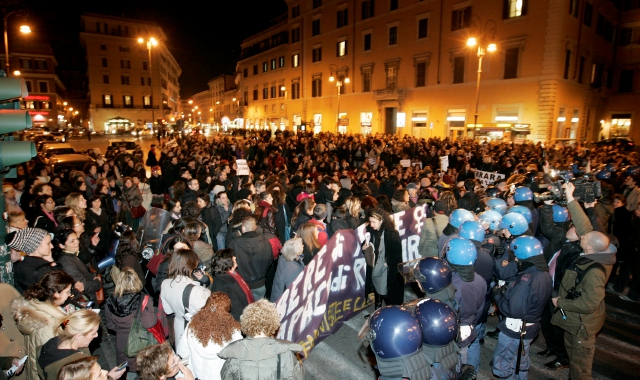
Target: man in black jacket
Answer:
[[254, 256]]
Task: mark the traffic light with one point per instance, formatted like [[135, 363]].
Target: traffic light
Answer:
[[12, 119]]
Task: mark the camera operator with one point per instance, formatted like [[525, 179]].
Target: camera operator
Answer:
[[579, 301]]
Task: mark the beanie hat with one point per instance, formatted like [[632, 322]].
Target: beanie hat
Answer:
[[27, 240]]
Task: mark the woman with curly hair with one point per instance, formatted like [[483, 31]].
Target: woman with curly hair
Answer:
[[128, 254], [259, 322], [209, 331], [449, 199], [383, 244], [77, 203]]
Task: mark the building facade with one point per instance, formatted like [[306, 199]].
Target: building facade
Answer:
[[404, 66], [132, 83]]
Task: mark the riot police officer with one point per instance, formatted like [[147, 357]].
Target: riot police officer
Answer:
[[456, 219]]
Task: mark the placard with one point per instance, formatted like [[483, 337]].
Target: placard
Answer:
[[243, 168]]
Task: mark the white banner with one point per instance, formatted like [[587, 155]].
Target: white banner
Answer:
[[488, 178], [243, 168]]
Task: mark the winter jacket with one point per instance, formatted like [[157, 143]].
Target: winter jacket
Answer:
[[398, 206], [220, 223], [470, 201], [211, 217], [171, 295], [254, 256], [430, 234], [30, 270], [337, 225], [266, 219], [604, 212], [131, 197], [257, 359], [157, 185], [286, 272], [283, 217], [302, 218], [225, 283], [42, 221], [204, 251], [204, 362], [470, 298], [37, 321], [393, 256], [555, 232], [51, 358], [80, 273], [119, 315]]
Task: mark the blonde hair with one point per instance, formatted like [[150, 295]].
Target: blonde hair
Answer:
[[306, 233], [260, 317], [79, 369], [292, 248], [80, 322], [72, 201], [127, 281], [242, 203], [352, 204]]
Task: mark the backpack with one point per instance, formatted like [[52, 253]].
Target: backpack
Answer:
[[580, 273]]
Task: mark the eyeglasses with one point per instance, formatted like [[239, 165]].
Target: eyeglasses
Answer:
[[50, 202]]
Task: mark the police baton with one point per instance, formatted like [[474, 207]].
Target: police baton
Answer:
[[523, 330]]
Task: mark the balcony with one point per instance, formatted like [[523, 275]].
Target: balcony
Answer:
[[397, 94]]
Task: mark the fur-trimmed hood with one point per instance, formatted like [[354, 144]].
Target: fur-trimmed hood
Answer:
[[34, 315]]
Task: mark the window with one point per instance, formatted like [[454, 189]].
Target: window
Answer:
[[124, 79], [295, 90], [567, 63], [255, 69], [255, 94], [511, 57], [367, 42], [626, 81], [265, 66], [393, 35], [392, 76], [461, 18], [123, 49], [30, 104], [596, 75], [367, 9], [281, 61], [604, 28], [29, 85], [423, 27], [266, 109], [295, 11], [574, 8], [295, 60], [295, 35], [393, 5], [366, 81], [41, 64], [315, 27], [421, 74], [107, 100], [145, 65], [105, 79], [245, 97], [273, 92], [281, 90], [45, 105], [125, 64], [343, 17], [143, 81], [127, 100], [588, 14], [43, 86], [514, 8], [620, 124], [105, 62], [581, 69], [274, 64], [103, 47], [341, 49], [507, 113], [317, 4], [316, 54], [245, 73], [146, 100], [458, 70], [25, 63], [265, 93], [316, 88]]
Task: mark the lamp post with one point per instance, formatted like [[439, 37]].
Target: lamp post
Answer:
[[341, 78], [23, 29], [151, 42], [283, 88]]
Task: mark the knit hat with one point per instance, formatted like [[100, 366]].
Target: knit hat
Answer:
[[27, 240], [412, 186]]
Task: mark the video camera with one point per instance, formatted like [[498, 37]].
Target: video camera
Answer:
[[587, 189]]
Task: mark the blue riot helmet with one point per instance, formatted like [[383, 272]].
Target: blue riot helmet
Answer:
[[523, 194], [461, 251], [611, 167], [603, 174], [436, 273], [560, 214], [515, 223], [460, 216], [395, 332], [631, 170], [526, 246], [491, 217], [524, 211], [492, 192], [438, 321], [471, 230], [498, 205]]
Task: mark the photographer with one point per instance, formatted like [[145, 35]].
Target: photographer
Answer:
[[580, 308]]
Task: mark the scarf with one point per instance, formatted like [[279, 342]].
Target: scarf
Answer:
[[243, 285], [50, 216], [466, 272], [534, 261]]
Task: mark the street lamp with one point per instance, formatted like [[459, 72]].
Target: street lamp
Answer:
[[341, 78], [23, 29], [482, 50], [151, 42]]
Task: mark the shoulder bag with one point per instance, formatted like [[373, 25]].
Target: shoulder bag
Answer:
[[136, 212], [139, 337]]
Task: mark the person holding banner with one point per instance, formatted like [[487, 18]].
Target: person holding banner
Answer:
[[383, 252]]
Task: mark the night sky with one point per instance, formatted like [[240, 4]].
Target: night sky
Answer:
[[204, 36]]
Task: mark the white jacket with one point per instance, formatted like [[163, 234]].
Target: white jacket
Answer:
[[171, 295], [203, 361]]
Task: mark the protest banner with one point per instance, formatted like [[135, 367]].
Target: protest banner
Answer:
[[405, 163], [330, 290], [488, 178], [243, 168]]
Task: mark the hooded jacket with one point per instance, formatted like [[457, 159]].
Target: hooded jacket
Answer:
[[254, 255], [431, 233], [257, 358]]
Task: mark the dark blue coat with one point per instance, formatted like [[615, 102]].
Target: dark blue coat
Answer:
[[470, 299]]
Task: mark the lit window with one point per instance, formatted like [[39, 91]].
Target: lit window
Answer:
[[295, 60], [341, 49]]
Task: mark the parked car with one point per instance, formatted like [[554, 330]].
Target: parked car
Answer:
[[41, 144], [130, 145], [49, 151], [623, 142], [68, 162]]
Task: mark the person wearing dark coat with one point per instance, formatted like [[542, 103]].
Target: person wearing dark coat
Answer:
[[156, 182], [210, 216], [338, 222], [470, 200], [68, 245], [43, 217], [382, 276], [36, 243], [289, 267], [224, 267], [170, 172]]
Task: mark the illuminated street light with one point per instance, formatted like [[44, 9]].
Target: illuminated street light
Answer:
[[151, 42], [22, 11], [16, 73], [190, 102], [26, 29], [342, 74], [471, 42]]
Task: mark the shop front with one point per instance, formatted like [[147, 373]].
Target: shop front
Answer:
[[500, 132]]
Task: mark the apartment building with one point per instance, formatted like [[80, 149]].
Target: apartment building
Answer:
[[133, 77], [405, 67]]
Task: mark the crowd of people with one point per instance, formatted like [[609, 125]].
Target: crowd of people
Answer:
[[236, 240]]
